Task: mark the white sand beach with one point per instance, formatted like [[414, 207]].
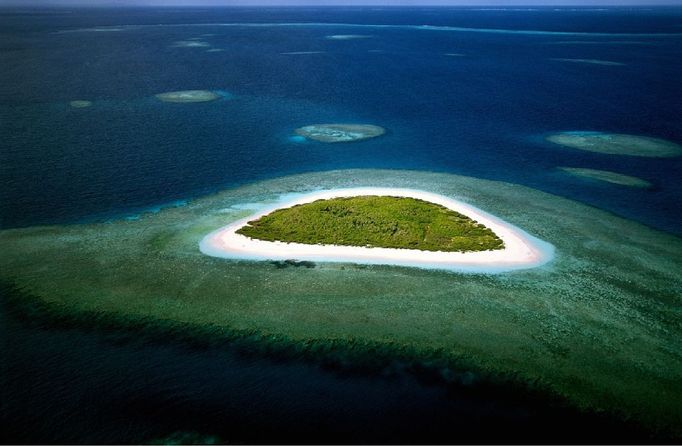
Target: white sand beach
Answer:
[[521, 250]]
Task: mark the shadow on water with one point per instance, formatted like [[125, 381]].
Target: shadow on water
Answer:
[[74, 385]]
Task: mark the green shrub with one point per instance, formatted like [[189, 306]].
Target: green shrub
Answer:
[[375, 221]]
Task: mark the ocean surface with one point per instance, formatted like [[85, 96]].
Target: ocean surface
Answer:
[[466, 91]]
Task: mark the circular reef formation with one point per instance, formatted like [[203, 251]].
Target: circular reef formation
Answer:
[[80, 104], [188, 96], [607, 176], [598, 327], [340, 132], [617, 144]]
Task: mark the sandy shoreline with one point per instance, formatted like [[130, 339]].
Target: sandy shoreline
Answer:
[[521, 249]]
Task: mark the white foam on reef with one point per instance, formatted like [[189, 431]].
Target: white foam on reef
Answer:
[[378, 26], [348, 36], [599, 42], [191, 44], [521, 250], [299, 53], [588, 61], [105, 29]]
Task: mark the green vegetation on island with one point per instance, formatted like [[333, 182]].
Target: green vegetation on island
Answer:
[[374, 221]]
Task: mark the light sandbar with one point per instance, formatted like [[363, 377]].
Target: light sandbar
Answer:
[[521, 250]]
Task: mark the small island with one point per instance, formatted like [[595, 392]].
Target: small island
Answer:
[[145, 278], [188, 96], [607, 176], [374, 221], [340, 132], [379, 225], [617, 144]]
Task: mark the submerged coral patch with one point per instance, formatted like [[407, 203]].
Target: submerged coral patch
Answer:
[[617, 144], [340, 132], [607, 176], [188, 96], [80, 104]]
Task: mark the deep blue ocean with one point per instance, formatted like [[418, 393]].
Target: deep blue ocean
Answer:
[[484, 112]]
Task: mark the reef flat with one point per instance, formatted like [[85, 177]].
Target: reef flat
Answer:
[[617, 144], [340, 132], [607, 176], [599, 327], [188, 96]]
